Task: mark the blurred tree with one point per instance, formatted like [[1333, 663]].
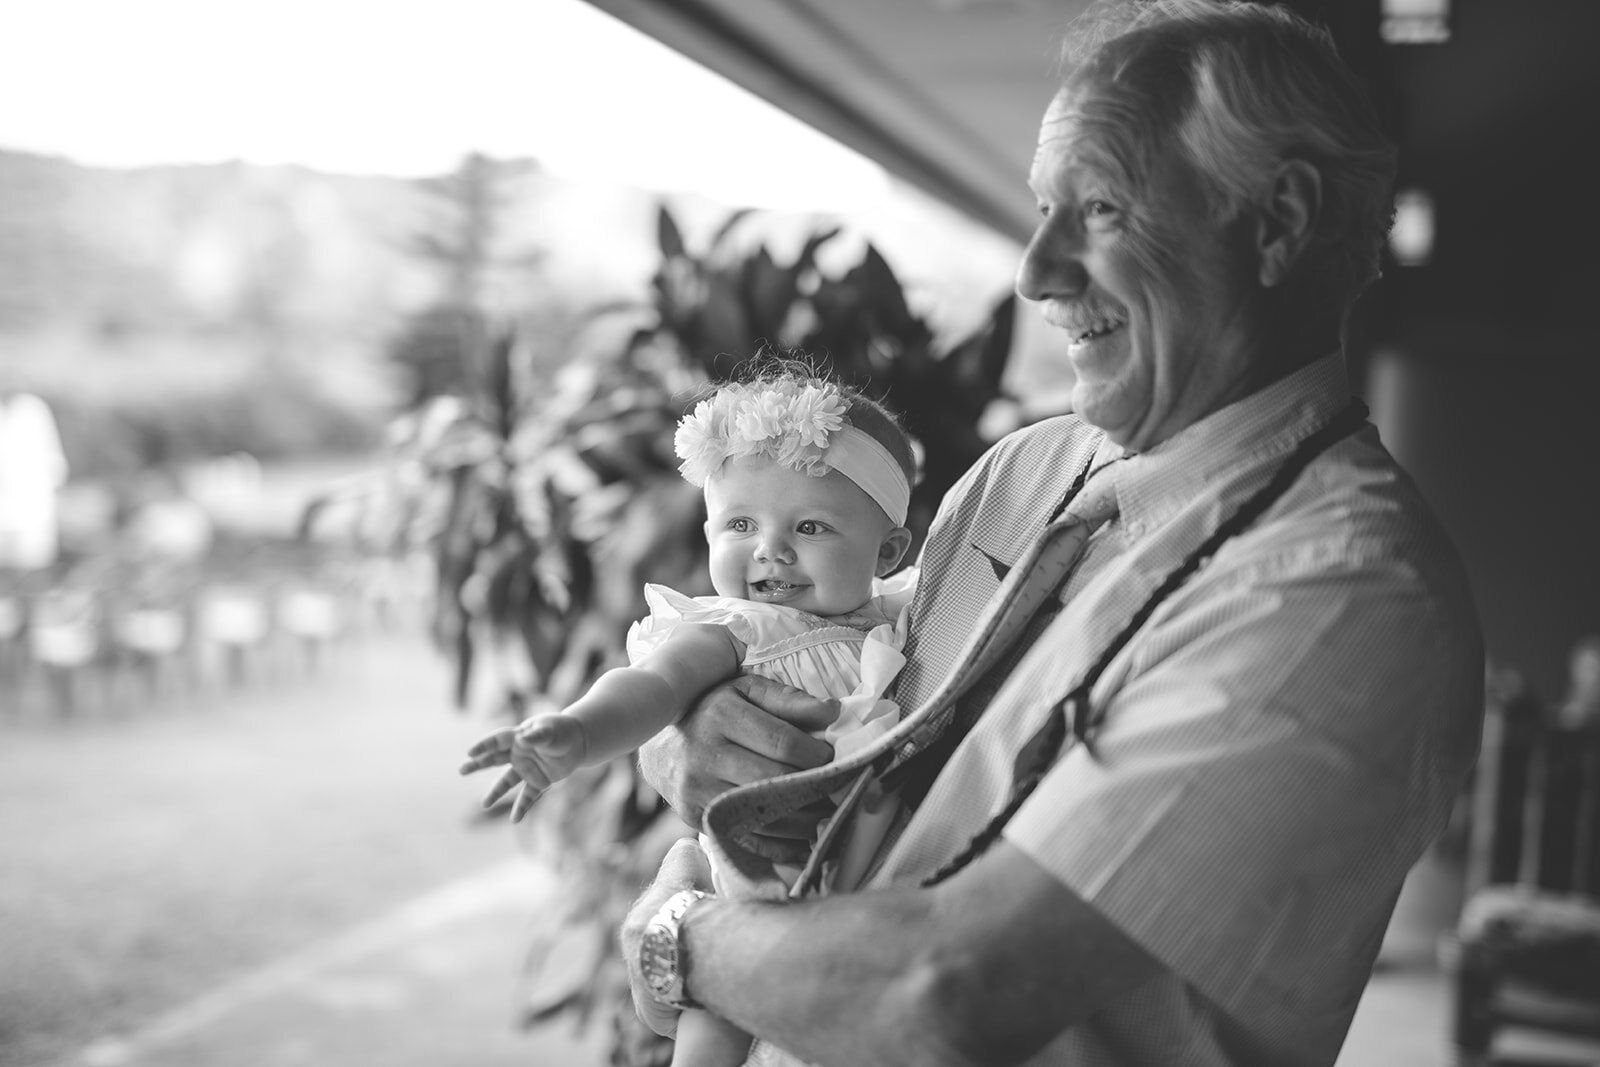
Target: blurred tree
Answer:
[[481, 280]]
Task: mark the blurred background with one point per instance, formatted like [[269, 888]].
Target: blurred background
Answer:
[[340, 349]]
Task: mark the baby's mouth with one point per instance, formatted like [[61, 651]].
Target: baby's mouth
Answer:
[[774, 587]]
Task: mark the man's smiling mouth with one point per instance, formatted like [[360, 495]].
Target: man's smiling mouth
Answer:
[[1084, 336], [1084, 322]]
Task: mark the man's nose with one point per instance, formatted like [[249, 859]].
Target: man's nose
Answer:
[[1052, 263]]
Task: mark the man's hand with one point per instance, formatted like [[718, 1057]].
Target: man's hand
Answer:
[[749, 729], [685, 867]]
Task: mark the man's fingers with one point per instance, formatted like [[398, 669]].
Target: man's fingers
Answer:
[[797, 826], [780, 850], [794, 706], [781, 740], [686, 866]]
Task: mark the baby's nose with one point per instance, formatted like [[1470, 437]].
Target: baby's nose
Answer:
[[774, 547]]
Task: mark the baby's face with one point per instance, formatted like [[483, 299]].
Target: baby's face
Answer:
[[781, 536]]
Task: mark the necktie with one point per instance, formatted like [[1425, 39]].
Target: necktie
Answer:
[[1030, 584]]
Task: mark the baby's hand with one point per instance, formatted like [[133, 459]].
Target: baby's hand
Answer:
[[542, 750], [493, 751]]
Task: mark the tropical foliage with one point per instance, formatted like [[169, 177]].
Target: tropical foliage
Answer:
[[547, 494]]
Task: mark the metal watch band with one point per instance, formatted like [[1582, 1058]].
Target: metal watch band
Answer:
[[661, 957]]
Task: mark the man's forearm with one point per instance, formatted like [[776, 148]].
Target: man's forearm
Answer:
[[852, 986], [986, 968]]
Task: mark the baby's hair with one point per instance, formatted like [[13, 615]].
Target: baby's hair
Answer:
[[864, 413]]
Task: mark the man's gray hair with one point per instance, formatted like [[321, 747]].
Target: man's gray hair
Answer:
[[1245, 87]]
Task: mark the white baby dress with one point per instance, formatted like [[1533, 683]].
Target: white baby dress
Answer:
[[852, 658]]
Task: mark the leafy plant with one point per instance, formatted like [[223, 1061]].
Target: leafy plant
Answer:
[[548, 499]]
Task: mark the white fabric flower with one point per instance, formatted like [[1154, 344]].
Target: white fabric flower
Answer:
[[816, 414], [698, 444], [786, 421]]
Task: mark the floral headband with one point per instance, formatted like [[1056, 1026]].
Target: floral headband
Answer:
[[800, 425]]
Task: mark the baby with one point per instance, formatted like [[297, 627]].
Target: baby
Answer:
[[807, 484]]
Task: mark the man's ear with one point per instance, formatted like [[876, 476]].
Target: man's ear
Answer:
[[893, 549], [1288, 218]]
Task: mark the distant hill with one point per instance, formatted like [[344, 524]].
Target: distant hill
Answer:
[[173, 295], [199, 247], [235, 247]]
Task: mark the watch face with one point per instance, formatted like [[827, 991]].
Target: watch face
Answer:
[[658, 961]]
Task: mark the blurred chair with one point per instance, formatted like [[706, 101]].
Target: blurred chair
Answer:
[[1527, 947], [65, 639], [233, 621]]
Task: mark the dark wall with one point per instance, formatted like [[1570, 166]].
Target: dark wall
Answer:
[[1500, 431], [1484, 361]]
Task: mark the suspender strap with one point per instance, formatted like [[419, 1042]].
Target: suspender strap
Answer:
[[1039, 753]]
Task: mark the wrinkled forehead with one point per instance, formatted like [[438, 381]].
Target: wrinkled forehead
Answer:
[[1086, 129]]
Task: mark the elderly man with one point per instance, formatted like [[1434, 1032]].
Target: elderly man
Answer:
[[1165, 816]]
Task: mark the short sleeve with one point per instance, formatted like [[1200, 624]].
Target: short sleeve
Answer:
[[1274, 766]]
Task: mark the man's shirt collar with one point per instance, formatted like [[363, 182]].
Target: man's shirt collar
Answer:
[[1155, 484]]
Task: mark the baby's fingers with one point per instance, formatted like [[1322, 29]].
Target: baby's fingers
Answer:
[[503, 785], [487, 759], [489, 752], [524, 801]]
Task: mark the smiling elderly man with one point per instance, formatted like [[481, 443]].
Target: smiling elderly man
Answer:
[[1194, 675]]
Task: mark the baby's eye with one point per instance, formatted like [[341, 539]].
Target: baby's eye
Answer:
[[739, 525], [810, 527]]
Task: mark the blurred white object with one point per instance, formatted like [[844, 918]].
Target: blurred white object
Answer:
[[231, 616], [65, 629], [152, 631], [172, 529], [1415, 21], [1411, 238], [310, 613], [32, 469]]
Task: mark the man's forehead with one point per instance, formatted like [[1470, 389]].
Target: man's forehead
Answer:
[[1065, 138]]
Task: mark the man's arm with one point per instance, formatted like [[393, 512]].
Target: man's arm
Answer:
[[986, 968]]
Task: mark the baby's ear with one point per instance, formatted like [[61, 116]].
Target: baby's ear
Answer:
[[893, 549]]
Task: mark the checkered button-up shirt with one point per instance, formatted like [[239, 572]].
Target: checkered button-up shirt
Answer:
[[1281, 740]]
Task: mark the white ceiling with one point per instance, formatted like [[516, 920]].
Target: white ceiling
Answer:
[[945, 93]]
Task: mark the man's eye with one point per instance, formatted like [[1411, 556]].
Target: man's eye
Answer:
[[1044, 210], [1098, 209]]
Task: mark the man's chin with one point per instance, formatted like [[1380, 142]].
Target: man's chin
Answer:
[[1103, 409]]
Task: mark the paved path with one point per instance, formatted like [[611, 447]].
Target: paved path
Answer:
[[405, 923], [427, 985]]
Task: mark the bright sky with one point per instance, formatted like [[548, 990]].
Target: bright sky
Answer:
[[402, 87]]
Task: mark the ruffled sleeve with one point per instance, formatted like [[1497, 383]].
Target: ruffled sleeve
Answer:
[[754, 625]]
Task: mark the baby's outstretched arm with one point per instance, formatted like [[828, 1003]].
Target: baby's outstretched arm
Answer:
[[624, 708]]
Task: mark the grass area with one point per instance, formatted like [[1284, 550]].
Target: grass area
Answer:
[[151, 853]]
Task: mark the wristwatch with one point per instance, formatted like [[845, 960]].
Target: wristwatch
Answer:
[[661, 957]]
